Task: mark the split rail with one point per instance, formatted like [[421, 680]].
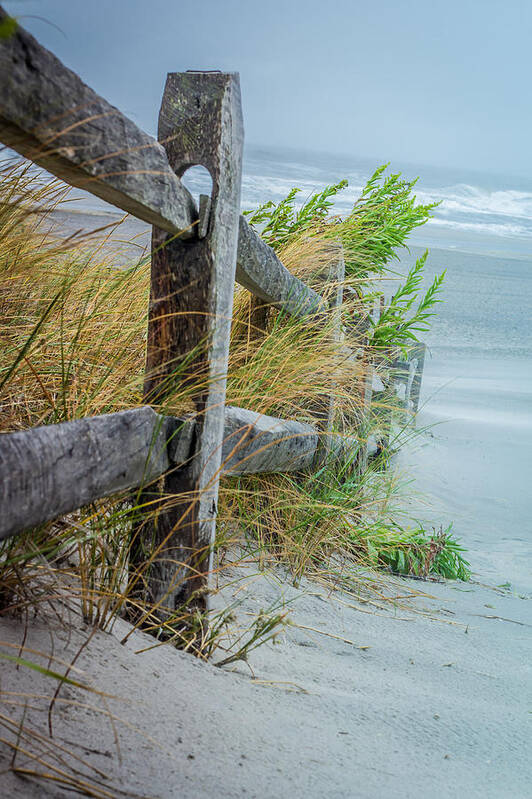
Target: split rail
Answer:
[[51, 117]]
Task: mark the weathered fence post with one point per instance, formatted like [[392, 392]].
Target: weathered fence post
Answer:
[[366, 394], [418, 353], [200, 123], [334, 278]]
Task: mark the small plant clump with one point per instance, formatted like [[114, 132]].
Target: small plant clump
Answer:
[[420, 555]]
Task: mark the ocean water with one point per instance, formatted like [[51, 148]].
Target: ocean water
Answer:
[[477, 213]]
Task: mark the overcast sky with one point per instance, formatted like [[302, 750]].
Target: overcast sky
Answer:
[[444, 82]]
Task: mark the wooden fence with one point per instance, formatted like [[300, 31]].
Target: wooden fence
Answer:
[[51, 117]]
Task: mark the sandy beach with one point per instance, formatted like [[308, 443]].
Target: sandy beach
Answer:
[[427, 694], [384, 702], [380, 151], [472, 464]]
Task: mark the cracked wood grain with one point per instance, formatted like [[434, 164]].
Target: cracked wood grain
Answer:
[[52, 470], [261, 272]]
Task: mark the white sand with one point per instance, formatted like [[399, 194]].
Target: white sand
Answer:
[[473, 466], [437, 707]]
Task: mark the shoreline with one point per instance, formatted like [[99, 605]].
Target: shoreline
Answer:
[[439, 239]]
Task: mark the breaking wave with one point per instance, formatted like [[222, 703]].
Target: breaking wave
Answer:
[[466, 199], [499, 212]]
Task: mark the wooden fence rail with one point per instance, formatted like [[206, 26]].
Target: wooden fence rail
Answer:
[[51, 117], [55, 469]]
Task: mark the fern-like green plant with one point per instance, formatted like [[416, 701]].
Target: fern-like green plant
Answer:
[[372, 235], [380, 222], [329, 508], [281, 222], [400, 323], [421, 555]]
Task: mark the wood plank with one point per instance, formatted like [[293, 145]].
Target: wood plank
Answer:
[[257, 443], [401, 388], [254, 442], [261, 272], [52, 470], [334, 278], [51, 117], [365, 389], [192, 283]]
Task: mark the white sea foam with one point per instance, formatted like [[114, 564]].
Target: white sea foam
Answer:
[[465, 199], [492, 210]]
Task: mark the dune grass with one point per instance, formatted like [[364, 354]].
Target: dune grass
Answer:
[[73, 342], [73, 338], [288, 367]]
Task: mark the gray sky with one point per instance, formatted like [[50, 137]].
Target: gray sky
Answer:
[[446, 82]]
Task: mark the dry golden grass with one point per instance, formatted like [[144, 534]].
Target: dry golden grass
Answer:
[[74, 334]]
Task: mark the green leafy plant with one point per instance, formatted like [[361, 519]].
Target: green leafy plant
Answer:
[[400, 322], [343, 510], [8, 26], [281, 222], [420, 554], [378, 226]]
